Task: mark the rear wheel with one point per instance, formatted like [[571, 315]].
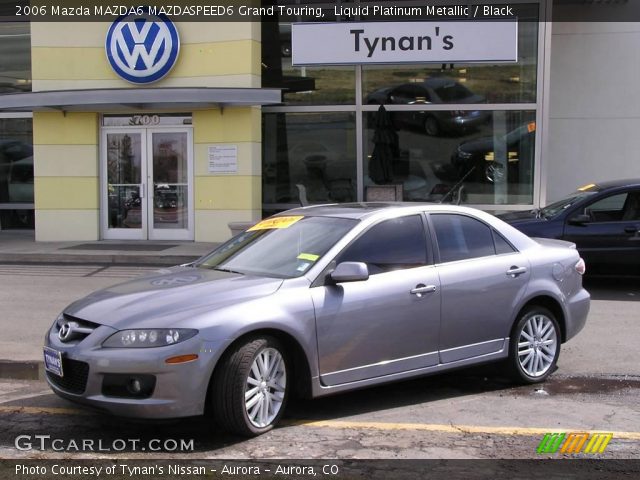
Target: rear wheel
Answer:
[[431, 126], [534, 346], [250, 387]]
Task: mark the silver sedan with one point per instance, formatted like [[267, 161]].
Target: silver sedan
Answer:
[[316, 301]]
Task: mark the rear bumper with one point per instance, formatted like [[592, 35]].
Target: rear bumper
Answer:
[[578, 309]]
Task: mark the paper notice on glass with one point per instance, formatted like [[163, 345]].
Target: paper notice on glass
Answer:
[[223, 159]]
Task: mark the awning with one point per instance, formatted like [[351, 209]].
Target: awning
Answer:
[[130, 99]]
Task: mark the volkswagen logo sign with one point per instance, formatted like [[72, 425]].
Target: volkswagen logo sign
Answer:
[[142, 48]]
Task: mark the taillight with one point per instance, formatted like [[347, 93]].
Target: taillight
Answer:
[[581, 267]]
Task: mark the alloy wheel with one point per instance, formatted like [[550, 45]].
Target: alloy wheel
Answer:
[[537, 345], [265, 387]]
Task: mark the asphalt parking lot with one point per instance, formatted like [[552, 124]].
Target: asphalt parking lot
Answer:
[[464, 414]]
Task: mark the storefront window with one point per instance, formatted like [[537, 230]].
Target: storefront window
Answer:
[[16, 173], [302, 85], [464, 124], [504, 83], [308, 157], [489, 153], [15, 55]]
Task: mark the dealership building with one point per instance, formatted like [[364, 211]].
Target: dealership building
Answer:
[[168, 128]]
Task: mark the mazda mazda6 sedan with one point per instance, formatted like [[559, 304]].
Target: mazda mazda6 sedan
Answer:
[[316, 301]]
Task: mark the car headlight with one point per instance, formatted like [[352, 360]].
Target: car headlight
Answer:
[[157, 337]]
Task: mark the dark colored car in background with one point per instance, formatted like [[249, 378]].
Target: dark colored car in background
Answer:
[[432, 91], [603, 220], [480, 155]]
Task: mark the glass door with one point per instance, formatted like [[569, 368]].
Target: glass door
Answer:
[[170, 165], [123, 186], [146, 184]]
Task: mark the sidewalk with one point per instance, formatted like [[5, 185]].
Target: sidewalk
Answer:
[[21, 247]]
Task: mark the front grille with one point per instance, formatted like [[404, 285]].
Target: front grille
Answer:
[[75, 375], [81, 328]]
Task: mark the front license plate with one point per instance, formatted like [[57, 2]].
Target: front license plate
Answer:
[[53, 361]]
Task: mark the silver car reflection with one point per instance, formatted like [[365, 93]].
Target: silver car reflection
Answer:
[[316, 301]]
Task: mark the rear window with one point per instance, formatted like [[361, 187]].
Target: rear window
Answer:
[[452, 92]]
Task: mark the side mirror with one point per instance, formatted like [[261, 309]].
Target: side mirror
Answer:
[[579, 219], [350, 272]]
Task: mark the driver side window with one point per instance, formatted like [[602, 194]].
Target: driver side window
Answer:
[[394, 244], [608, 209]]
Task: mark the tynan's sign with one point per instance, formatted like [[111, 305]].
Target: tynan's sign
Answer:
[[142, 48], [404, 42]]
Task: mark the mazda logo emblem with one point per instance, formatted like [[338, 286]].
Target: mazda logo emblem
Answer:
[[66, 331]]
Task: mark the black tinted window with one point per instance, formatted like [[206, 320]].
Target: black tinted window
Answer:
[[389, 245], [502, 246], [460, 237]]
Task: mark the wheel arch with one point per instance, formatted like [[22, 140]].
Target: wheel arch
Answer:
[[298, 359], [551, 304]]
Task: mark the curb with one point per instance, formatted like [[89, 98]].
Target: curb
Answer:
[[24, 370], [30, 258]]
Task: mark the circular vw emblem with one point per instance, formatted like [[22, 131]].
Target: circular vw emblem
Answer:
[[142, 48], [65, 332]]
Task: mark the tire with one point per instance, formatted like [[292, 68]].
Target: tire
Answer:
[[494, 173], [242, 370], [534, 346], [431, 126]]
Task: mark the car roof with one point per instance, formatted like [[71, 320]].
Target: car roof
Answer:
[[361, 210], [634, 182]]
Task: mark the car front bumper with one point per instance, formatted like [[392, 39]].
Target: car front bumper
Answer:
[[180, 390]]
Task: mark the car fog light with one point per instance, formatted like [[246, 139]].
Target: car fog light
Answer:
[[134, 386]]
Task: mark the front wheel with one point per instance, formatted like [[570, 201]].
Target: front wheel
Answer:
[[431, 126], [250, 387], [534, 346]]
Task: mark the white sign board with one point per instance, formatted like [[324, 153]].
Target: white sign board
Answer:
[[404, 42], [223, 159]]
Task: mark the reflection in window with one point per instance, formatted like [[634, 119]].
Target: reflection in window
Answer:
[[309, 156], [16, 173], [489, 153], [302, 85], [500, 83], [15, 52]]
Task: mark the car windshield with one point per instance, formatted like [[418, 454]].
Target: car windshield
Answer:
[[561, 205], [282, 247]]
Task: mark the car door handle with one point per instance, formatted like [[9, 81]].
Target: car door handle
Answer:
[[631, 229], [515, 271], [421, 288]]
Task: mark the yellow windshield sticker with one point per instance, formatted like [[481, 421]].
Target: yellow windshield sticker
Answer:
[[308, 256], [586, 187], [276, 222]]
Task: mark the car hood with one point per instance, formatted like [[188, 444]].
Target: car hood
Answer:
[[168, 297], [480, 145], [511, 217]]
